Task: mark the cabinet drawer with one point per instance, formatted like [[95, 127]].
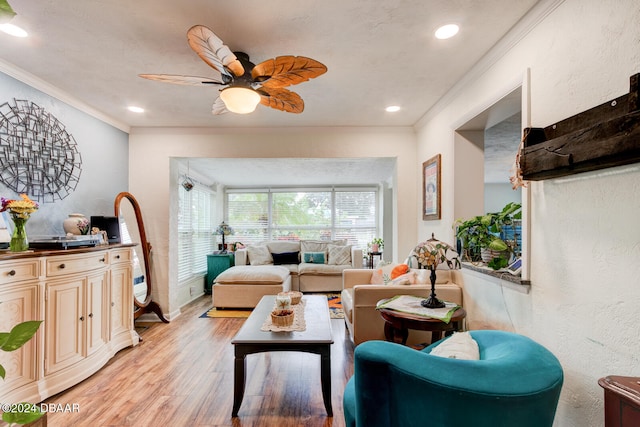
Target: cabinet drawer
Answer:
[[121, 255], [17, 271], [63, 265]]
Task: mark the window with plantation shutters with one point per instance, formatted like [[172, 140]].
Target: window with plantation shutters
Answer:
[[257, 215], [195, 230]]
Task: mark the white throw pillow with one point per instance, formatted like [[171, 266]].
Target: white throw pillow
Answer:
[[259, 255], [460, 345], [339, 255], [382, 274]]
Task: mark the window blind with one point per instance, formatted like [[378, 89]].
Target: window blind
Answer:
[[356, 216], [195, 230], [299, 214], [248, 214]]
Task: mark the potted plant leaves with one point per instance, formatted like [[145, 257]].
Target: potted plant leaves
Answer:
[[480, 236], [20, 413], [376, 244]]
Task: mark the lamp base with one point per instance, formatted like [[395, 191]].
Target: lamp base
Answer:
[[432, 302]]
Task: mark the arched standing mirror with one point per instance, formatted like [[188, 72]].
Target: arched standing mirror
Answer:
[[132, 231]]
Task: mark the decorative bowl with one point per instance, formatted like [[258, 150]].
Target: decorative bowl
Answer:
[[282, 317]]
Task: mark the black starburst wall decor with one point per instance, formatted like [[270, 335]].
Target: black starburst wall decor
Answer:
[[37, 155]]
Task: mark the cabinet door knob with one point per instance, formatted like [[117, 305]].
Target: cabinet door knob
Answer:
[[12, 273], [102, 260], [91, 315], [82, 318], [61, 266], [117, 256]]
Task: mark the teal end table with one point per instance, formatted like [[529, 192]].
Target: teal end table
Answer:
[[216, 264]]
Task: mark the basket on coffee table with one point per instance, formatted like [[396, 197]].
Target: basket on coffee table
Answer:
[[294, 295], [282, 317]]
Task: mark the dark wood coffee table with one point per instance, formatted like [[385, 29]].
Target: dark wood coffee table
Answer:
[[397, 324], [317, 338]]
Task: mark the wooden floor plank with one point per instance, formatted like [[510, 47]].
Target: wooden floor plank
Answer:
[[181, 374]]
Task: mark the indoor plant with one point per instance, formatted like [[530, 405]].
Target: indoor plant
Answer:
[[377, 244], [6, 12], [21, 413], [482, 232]]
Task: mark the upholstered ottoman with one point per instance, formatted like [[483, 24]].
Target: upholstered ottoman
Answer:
[[244, 285]]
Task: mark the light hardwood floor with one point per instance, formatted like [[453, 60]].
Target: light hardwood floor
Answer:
[[182, 375]]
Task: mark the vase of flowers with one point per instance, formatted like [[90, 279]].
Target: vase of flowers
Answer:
[[20, 211]]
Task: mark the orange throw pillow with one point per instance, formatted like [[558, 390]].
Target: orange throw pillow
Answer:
[[399, 270]]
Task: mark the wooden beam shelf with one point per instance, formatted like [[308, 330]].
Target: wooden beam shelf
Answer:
[[604, 136]]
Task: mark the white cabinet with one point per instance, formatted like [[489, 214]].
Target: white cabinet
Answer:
[[85, 300], [96, 312], [76, 319], [64, 330], [19, 303], [121, 295]]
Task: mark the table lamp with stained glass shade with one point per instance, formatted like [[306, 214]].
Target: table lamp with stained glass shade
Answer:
[[224, 229], [429, 255]]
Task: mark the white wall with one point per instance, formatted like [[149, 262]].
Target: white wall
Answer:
[[150, 151], [496, 196], [104, 152], [585, 237]]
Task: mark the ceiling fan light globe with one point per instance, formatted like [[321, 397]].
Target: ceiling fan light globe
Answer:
[[240, 100]]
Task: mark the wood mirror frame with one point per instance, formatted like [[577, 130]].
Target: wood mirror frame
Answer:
[[147, 305]]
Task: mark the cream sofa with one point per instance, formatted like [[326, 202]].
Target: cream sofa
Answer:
[[359, 299], [305, 276]]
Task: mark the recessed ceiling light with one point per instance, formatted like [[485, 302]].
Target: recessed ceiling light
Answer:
[[13, 30], [392, 109], [135, 109], [447, 31]]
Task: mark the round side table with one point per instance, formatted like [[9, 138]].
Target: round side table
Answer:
[[397, 325]]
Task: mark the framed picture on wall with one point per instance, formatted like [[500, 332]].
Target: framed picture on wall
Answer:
[[431, 195]]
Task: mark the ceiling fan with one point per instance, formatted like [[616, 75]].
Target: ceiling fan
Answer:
[[244, 84]]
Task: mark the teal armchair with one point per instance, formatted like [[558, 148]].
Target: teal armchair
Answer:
[[516, 382]]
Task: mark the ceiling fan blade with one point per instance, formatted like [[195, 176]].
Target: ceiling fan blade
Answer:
[[281, 99], [219, 107], [213, 51], [286, 71], [182, 80]]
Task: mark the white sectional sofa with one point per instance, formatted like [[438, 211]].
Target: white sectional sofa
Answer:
[[323, 275]]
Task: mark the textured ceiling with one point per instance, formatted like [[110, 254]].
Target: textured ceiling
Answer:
[[377, 54]]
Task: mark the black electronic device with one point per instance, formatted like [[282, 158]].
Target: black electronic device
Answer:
[[109, 224], [64, 242]]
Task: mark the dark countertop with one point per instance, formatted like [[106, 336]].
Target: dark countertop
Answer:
[[5, 254], [500, 274]]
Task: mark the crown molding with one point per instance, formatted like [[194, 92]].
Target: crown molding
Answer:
[[55, 92], [524, 26]]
